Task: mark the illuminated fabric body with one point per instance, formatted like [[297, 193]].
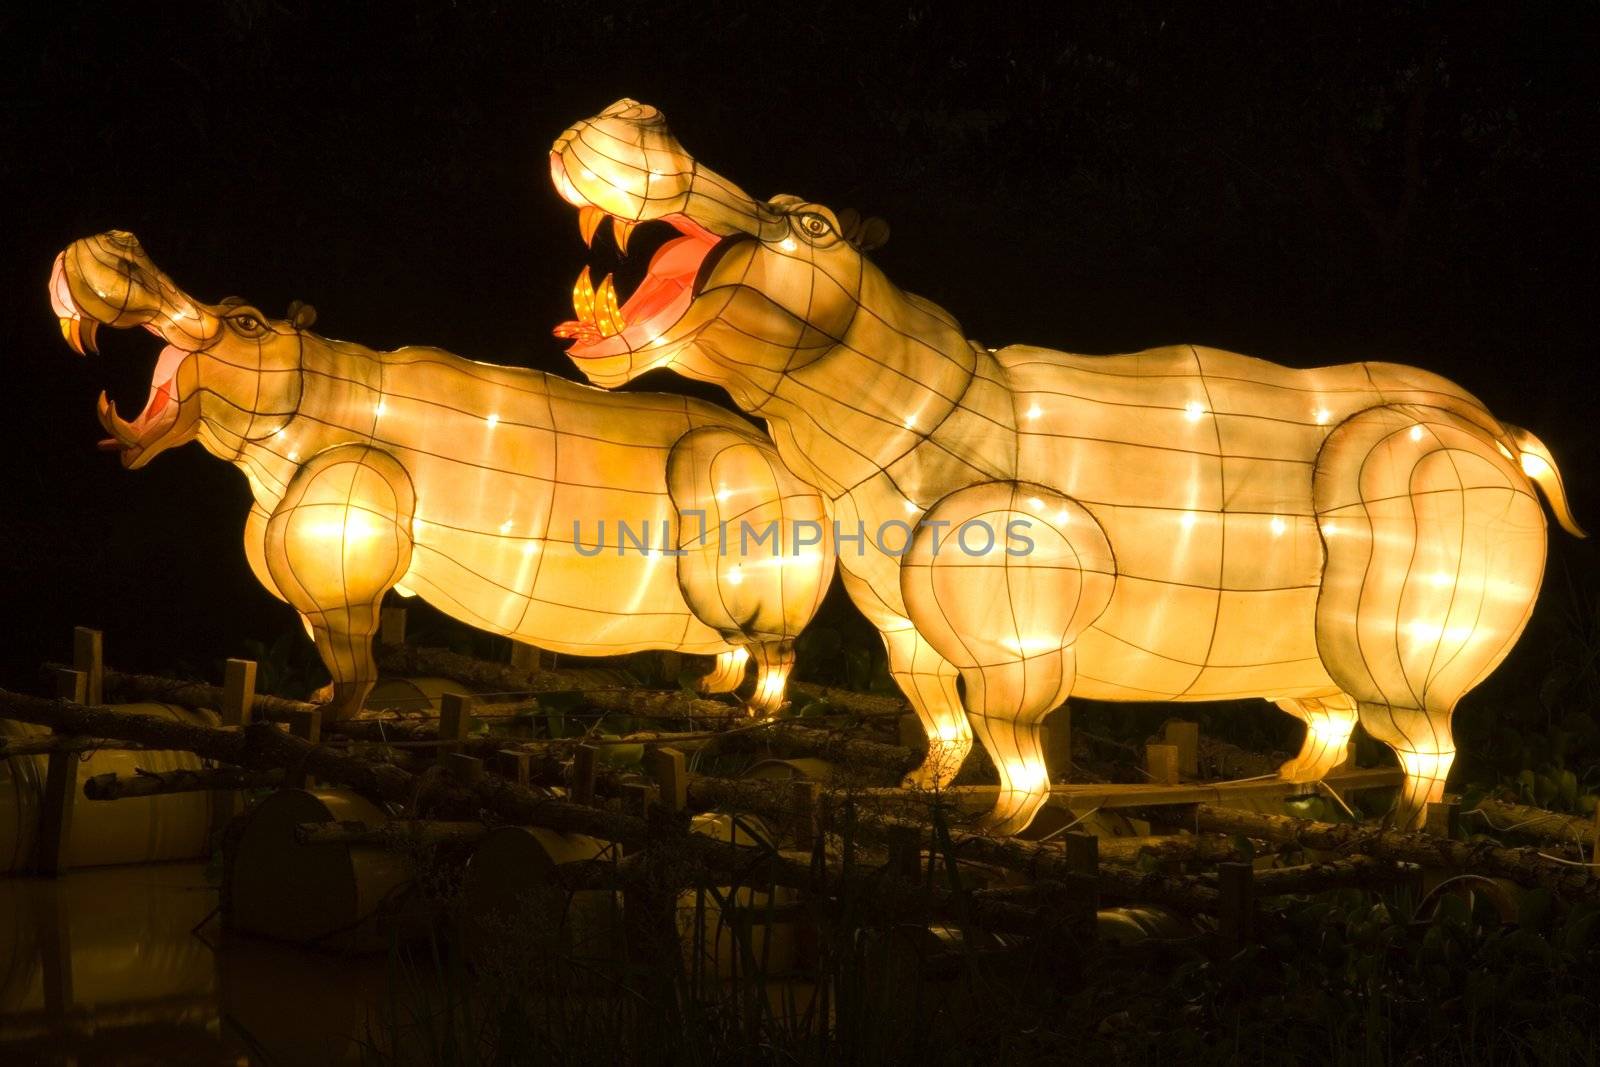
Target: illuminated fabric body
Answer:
[[497, 494], [1361, 542]]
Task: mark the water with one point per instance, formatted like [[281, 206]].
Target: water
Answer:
[[128, 965]]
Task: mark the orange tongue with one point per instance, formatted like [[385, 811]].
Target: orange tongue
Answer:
[[583, 332]]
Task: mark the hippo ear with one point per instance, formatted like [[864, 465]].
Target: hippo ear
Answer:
[[301, 314], [864, 233], [849, 224], [874, 234]]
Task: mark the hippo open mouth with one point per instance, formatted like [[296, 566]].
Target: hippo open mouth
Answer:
[[624, 165], [606, 324], [106, 281]]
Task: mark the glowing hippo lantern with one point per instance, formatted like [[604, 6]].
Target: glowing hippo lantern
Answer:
[[1355, 543], [559, 514]]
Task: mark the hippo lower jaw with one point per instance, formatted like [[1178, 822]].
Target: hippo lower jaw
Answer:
[[151, 431]]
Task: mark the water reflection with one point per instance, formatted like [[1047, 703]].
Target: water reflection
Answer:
[[128, 965]]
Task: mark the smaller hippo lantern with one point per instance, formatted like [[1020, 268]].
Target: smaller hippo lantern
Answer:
[[555, 513]]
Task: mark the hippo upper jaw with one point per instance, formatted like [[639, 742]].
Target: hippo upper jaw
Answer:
[[107, 281]]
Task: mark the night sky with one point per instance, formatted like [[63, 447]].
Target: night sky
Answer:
[[1308, 183]]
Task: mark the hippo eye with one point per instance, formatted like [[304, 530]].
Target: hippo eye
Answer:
[[815, 225], [247, 324]]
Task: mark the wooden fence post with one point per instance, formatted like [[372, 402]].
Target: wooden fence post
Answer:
[[1161, 761], [61, 779], [804, 794], [1083, 857], [238, 701], [514, 765], [905, 852], [1442, 816], [462, 767], [585, 765], [1185, 736], [668, 767], [1058, 743], [637, 798], [1594, 846], [306, 725], [455, 722], [1236, 909], [526, 657], [88, 655]]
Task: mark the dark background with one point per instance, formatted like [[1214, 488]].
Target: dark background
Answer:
[[1308, 183]]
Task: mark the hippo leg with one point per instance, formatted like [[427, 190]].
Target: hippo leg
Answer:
[[1423, 742], [1002, 578], [1329, 722], [728, 674], [255, 552], [754, 554], [774, 661], [1435, 545], [336, 543], [1007, 705], [929, 682]]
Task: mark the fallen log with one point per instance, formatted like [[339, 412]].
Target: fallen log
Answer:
[[864, 705], [470, 671], [158, 783], [1523, 865], [777, 737], [788, 738], [871, 820], [44, 746], [156, 689], [1503, 817], [641, 703], [503, 678], [1200, 848], [259, 746], [264, 746], [1356, 872], [1186, 893], [397, 833], [1219, 759]]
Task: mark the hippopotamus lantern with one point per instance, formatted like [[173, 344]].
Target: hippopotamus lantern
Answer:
[[1355, 543], [488, 491]]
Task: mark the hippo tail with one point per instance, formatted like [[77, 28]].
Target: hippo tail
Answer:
[[1540, 466]]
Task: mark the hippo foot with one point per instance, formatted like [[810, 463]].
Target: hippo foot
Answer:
[[337, 703], [1011, 815], [1303, 770], [932, 775]]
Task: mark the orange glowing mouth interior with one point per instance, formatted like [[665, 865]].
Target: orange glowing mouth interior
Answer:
[[655, 305], [160, 407]]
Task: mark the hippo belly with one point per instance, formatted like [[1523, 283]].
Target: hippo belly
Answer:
[[556, 599], [1202, 610]]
